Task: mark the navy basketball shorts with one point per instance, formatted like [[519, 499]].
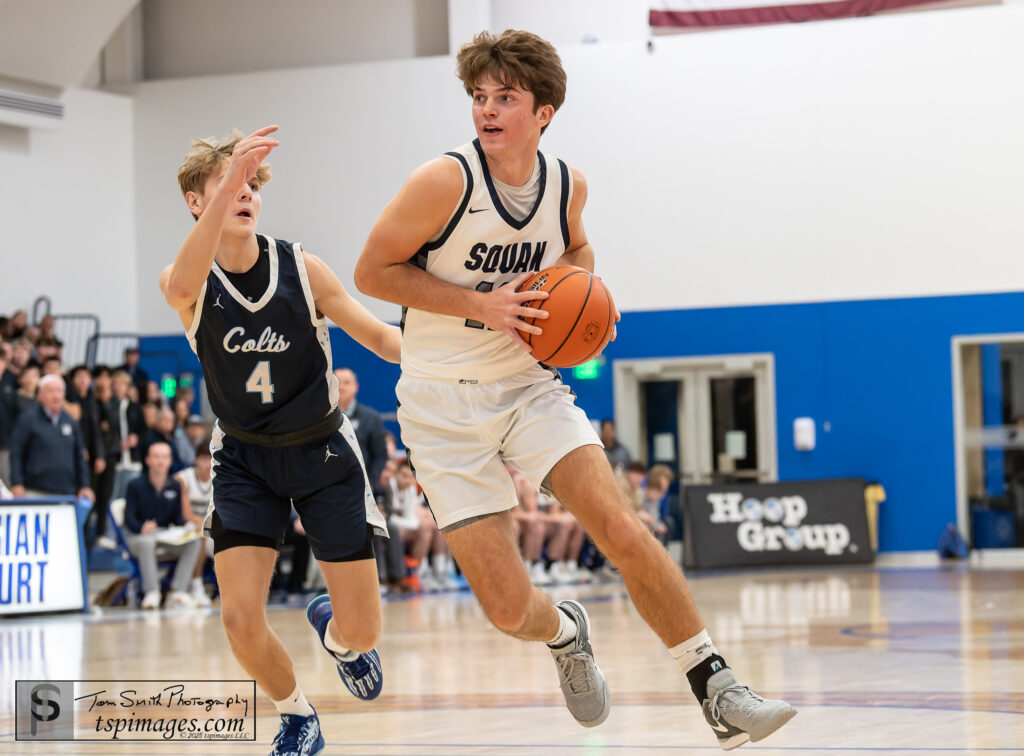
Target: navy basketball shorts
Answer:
[[254, 488]]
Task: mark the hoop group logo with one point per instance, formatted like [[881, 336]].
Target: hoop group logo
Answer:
[[44, 710]]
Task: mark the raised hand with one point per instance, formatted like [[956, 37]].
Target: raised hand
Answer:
[[503, 309], [248, 156]]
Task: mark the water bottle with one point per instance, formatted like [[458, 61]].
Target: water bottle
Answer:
[[131, 596]]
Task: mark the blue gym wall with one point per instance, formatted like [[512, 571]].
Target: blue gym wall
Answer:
[[879, 371]]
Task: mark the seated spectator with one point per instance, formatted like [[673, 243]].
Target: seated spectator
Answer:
[[390, 552], [163, 432], [655, 495], [542, 522], [420, 533], [47, 452], [196, 430], [294, 585], [153, 502], [197, 483], [618, 455]]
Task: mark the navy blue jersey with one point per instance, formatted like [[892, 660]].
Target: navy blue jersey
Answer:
[[267, 364]]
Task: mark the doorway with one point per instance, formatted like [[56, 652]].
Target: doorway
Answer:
[[711, 419], [988, 409]]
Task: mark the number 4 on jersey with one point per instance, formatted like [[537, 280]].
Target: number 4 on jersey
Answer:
[[259, 382]]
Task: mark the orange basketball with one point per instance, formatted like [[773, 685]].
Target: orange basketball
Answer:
[[580, 320]]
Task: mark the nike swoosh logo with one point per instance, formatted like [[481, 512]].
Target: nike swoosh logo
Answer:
[[719, 728], [478, 210]]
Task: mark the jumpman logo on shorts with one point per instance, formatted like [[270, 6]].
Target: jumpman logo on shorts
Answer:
[[329, 454], [217, 303]]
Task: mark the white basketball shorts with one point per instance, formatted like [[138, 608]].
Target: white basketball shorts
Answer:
[[459, 434]]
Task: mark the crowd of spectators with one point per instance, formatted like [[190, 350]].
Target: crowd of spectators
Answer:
[[95, 433]]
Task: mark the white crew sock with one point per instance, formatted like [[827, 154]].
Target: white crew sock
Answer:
[[343, 654], [566, 632], [294, 703], [692, 652], [440, 562]]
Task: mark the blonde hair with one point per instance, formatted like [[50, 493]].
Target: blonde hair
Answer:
[[515, 58], [206, 157]]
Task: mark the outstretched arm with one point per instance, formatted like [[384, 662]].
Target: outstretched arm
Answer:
[[336, 303], [182, 281], [423, 205]]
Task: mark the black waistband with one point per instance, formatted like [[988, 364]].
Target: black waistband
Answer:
[[316, 432]]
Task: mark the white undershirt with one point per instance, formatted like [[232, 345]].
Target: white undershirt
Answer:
[[519, 200]]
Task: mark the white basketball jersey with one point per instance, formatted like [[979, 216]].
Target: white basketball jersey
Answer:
[[483, 247]]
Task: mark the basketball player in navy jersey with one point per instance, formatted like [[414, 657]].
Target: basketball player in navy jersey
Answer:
[[462, 234], [255, 311]]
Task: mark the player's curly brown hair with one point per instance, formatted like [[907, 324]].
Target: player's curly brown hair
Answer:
[[206, 157], [515, 58]]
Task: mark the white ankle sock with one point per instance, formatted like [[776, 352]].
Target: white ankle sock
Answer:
[[692, 652], [566, 632], [197, 585], [294, 703], [440, 562], [344, 654]]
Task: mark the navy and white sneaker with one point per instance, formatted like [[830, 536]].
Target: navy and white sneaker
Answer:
[[363, 676], [298, 736]]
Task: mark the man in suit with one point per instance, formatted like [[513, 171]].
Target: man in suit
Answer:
[[367, 424]]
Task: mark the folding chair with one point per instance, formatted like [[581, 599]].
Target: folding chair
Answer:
[[115, 515]]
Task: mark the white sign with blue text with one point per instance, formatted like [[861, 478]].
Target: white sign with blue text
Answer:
[[40, 565]]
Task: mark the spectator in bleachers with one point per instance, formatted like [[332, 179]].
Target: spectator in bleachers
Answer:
[[21, 355], [196, 430], [618, 455], [163, 431], [46, 326], [294, 585], [18, 325], [197, 484], [51, 365], [366, 423], [80, 392], [47, 452], [153, 395], [420, 533], [153, 502], [8, 392], [28, 385], [110, 448], [5, 328], [544, 523], [185, 447], [131, 366], [130, 422], [47, 348], [654, 493], [390, 552]]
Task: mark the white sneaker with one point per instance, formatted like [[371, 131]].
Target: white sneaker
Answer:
[[106, 542], [564, 574], [151, 600], [538, 575], [428, 583], [199, 593], [179, 599]]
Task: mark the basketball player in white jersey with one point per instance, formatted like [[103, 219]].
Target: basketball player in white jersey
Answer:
[[463, 232]]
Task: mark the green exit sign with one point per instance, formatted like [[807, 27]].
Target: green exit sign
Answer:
[[169, 386], [588, 370]]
